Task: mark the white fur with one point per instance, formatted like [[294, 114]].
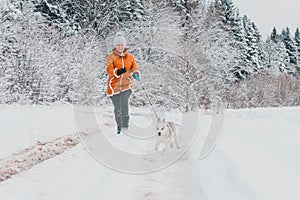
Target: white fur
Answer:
[[166, 133]]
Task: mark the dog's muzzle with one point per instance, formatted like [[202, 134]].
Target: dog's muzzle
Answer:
[[159, 133]]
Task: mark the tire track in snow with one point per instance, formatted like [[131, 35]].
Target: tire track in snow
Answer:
[[36, 154]]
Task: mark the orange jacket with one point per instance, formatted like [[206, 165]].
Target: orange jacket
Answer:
[[119, 83]]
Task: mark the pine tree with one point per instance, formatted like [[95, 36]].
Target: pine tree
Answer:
[[276, 51], [297, 43], [259, 45], [251, 51], [85, 15], [231, 22], [276, 57], [123, 15], [132, 10], [290, 45], [185, 9], [50, 9], [253, 41], [274, 35]]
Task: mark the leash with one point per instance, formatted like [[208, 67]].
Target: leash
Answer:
[[151, 104]]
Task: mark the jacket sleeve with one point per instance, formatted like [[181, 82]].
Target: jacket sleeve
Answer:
[[110, 69], [134, 67]]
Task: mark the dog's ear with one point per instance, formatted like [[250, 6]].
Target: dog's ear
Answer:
[[164, 120], [158, 119]]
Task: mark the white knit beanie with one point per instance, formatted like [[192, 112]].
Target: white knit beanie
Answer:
[[119, 39]]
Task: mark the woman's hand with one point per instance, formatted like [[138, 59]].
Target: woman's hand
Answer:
[[136, 76], [121, 71]]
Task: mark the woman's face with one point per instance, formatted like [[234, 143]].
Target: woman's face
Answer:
[[120, 47]]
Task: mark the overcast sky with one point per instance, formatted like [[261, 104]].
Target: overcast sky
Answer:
[[269, 13]]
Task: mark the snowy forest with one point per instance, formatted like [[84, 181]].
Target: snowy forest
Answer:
[[54, 51]]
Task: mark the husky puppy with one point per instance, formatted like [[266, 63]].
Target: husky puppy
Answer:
[[166, 132]]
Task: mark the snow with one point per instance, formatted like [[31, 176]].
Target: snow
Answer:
[[256, 157], [22, 126]]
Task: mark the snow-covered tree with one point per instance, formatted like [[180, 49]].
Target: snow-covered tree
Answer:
[[259, 45], [253, 41], [276, 58], [85, 15], [155, 43], [185, 8], [297, 43], [55, 51], [15, 77], [211, 52], [290, 49], [231, 23]]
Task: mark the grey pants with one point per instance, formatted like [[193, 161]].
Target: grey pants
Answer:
[[120, 102]]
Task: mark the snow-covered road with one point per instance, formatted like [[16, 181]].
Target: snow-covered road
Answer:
[[257, 157]]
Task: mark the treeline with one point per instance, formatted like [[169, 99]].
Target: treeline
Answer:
[[55, 51]]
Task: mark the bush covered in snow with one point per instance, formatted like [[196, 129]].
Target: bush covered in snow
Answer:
[[186, 52]]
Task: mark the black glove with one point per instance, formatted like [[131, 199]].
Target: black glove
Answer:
[[121, 71]]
